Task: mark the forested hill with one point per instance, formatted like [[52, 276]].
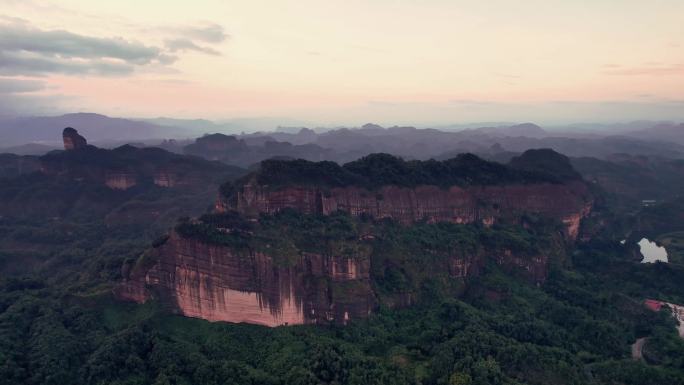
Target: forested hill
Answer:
[[378, 170]]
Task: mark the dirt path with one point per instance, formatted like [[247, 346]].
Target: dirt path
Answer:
[[637, 348]]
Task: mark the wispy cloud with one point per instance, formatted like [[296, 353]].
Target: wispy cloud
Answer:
[[29, 51], [182, 44], [197, 38], [208, 33], [25, 50], [649, 69]]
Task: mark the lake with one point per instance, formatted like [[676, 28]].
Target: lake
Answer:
[[652, 252]]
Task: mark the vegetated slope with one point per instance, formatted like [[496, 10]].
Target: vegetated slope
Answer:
[[60, 324], [628, 179], [574, 329], [69, 197]]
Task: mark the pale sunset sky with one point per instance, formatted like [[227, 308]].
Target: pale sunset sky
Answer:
[[346, 62]]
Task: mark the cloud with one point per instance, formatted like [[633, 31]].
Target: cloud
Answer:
[[19, 86], [194, 38], [70, 45], [25, 50], [20, 63], [651, 69], [182, 44], [211, 33]]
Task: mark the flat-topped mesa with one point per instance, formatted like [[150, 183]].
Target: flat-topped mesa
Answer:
[[72, 140], [465, 189]]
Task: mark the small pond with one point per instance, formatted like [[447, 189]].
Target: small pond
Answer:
[[652, 252]]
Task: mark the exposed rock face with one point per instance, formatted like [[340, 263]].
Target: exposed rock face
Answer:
[[120, 180], [218, 284], [164, 178], [568, 202], [72, 140], [224, 282]]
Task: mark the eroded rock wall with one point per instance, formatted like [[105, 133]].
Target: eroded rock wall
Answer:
[[120, 180], [218, 283], [568, 203], [221, 283]]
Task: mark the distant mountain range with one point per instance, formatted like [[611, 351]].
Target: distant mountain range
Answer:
[[101, 128], [38, 135], [115, 131]]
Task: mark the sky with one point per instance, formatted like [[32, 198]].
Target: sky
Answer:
[[423, 62]]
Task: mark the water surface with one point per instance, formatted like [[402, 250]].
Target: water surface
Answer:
[[652, 252]]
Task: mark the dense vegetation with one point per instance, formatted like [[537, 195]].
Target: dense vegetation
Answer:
[[59, 323], [92, 162], [378, 170], [576, 329], [627, 180], [546, 162]]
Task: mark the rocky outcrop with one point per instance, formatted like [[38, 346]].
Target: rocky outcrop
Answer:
[[72, 140], [218, 283], [165, 178], [205, 270], [222, 283], [567, 202], [120, 180]]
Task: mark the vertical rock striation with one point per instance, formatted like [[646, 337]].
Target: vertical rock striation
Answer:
[[120, 180], [218, 283], [568, 203]]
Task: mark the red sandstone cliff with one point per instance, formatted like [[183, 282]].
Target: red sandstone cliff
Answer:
[[567, 202], [120, 180], [218, 283]]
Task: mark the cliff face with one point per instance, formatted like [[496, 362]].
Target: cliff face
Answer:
[[165, 178], [568, 202], [220, 283], [120, 180], [316, 264], [217, 283]]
